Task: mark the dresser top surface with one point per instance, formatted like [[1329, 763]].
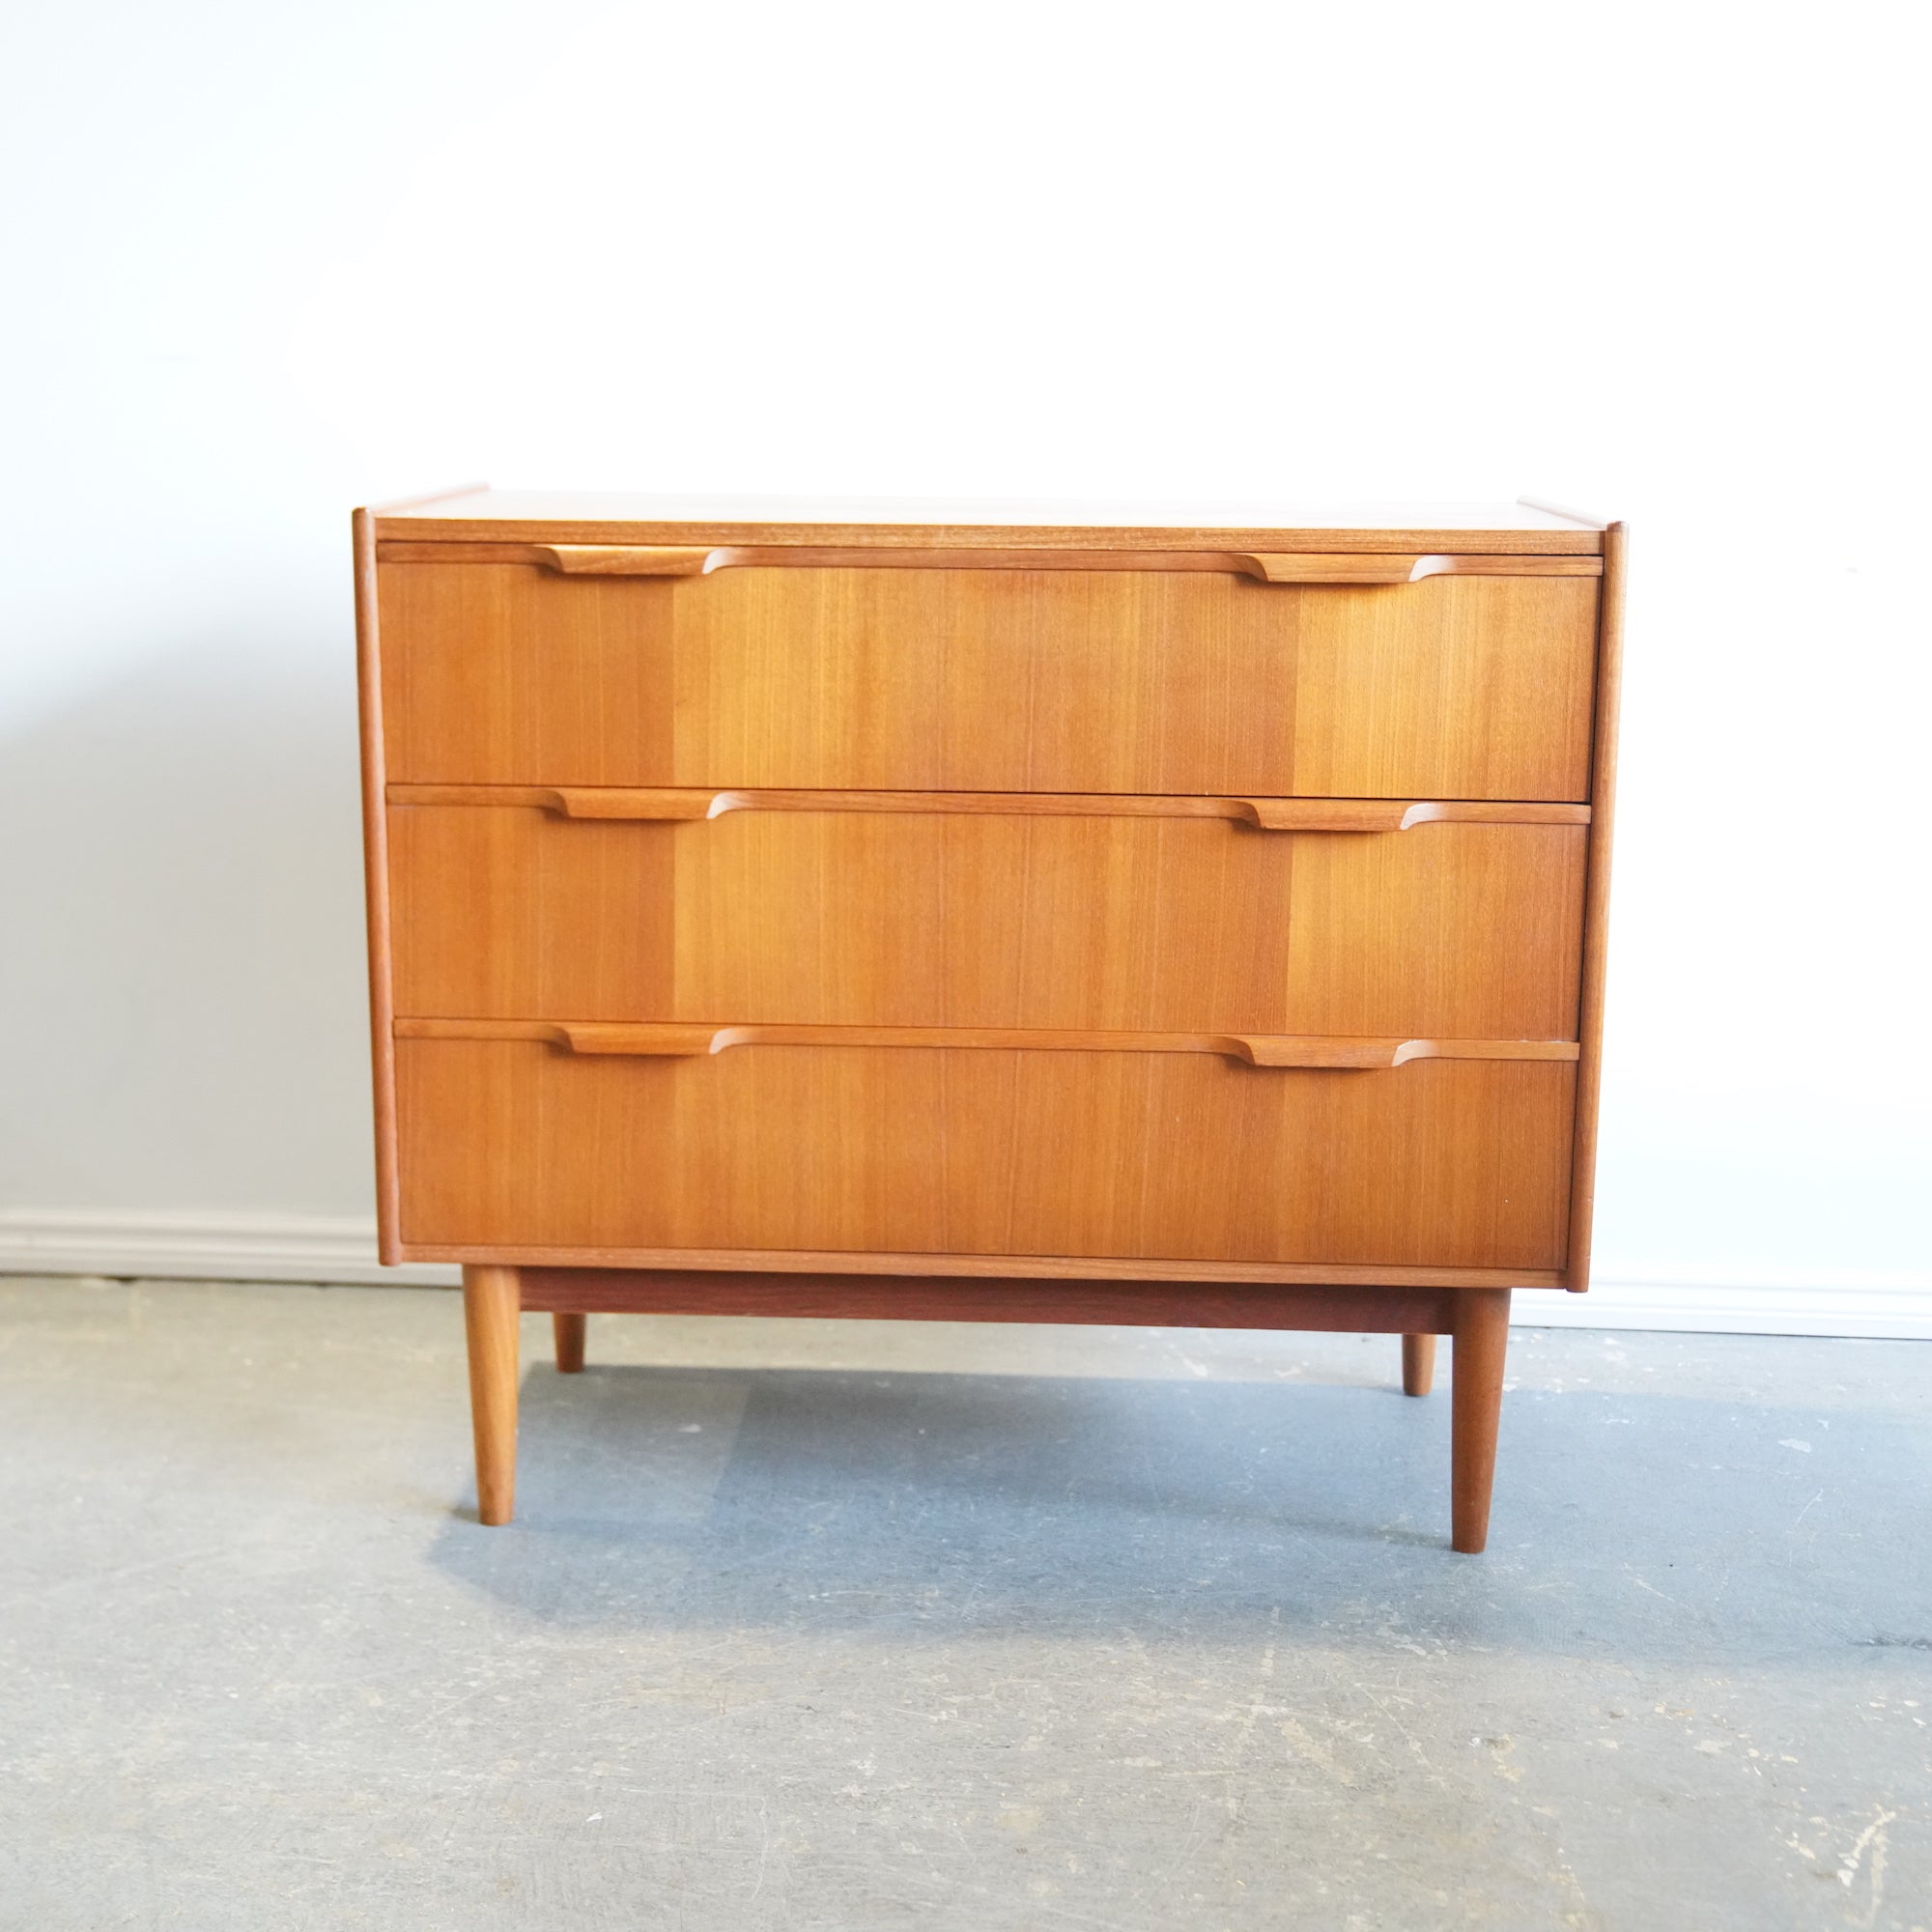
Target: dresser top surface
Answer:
[[485, 515]]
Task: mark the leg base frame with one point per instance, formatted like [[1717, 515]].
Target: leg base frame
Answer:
[[930, 1297], [1476, 1317], [1476, 1393], [1418, 1364], [490, 1309]]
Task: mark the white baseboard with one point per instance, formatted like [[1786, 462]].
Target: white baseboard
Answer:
[[204, 1246], [1718, 1301], [210, 1247]]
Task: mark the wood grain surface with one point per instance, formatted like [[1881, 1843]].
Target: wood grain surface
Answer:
[[1014, 919], [1447, 1163], [988, 680]]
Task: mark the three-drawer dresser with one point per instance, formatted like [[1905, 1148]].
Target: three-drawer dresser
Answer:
[[1007, 915]]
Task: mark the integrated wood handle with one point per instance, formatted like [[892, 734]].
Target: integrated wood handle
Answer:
[[677, 1039], [1302, 567], [1267, 815], [628, 559], [1268, 567]]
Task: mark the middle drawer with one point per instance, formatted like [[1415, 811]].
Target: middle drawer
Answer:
[[983, 910]]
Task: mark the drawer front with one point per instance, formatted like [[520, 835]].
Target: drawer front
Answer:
[[1159, 1155], [1471, 687], [971, 917]]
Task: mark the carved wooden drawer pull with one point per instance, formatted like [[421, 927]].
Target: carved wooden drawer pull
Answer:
[[682, 1040], [1290, 567], [1303, 567], [1268, 815]]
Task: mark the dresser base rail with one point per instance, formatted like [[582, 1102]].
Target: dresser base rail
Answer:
[[875, 1297], [1476, 1317]]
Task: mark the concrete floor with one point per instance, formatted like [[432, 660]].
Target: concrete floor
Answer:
[[858, 1626]]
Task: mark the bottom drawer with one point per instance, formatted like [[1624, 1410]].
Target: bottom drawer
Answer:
[[1162, 1155]]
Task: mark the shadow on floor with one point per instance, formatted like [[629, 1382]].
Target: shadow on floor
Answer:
[[895, 1503]]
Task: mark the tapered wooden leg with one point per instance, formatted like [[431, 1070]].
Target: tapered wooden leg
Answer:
[[1476, 1393], [569, 1342], [1418, 1364], [491, 1304]]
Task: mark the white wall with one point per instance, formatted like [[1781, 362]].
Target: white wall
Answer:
[[265, 263]]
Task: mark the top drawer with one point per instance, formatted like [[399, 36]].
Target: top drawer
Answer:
[[971, 679]]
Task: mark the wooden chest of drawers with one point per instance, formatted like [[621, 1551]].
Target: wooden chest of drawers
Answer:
[[790, 909]]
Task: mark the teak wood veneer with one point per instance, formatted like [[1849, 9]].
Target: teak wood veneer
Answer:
[[953, 912]]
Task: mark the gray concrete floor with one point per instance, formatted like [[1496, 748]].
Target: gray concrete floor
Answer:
[[856, 1626]]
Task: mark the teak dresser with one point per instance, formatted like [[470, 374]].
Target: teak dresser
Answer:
[[834, 910]]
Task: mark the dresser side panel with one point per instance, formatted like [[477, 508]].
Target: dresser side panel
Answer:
[[376, 884], [1597, 904]]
